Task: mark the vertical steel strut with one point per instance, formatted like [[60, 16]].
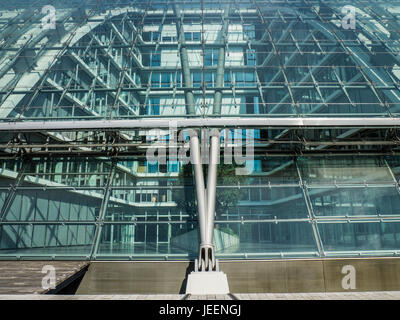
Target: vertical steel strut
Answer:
[[206, 199], [187, 82], [221, 62]]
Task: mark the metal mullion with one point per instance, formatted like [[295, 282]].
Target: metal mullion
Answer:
[[147, 222], [358, 219], [95, 76], [46, 223], [185, 67], [396, 83], [295, 42], [39, 86], [174, 99], [267, 27], [342, 86], [354, 185], [340, 91], [203, 51], [260, 91], [311, 215], [149, 88], [67, 188], [287, 83], [274, 221], [12, 193], [329, 56], [233, 121], [103, 209], [397, 185], [316, 86], [259, 85], [373, 88], [377, 17], [123, 71], [223, 49], [355, 61]]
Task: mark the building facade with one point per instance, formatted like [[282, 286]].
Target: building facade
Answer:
[[304, 94]]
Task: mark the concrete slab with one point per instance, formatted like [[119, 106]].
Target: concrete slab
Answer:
[[207, 283]]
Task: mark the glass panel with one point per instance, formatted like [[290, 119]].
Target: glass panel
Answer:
[[308, 66], [264, 239], [4, 189], [263, 203], [302, 71], [360, 236], [359, 201], [53, 205], [351, 170], [76, 172], [46, 239], [278, 170], [153, 238]]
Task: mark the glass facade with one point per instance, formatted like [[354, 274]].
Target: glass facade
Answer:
[[312, 191]]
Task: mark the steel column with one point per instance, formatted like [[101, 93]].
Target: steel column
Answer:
[[211, 191], [200, 189], [221, 64], [187, 82]]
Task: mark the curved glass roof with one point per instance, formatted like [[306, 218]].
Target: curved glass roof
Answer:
[[151, 59]]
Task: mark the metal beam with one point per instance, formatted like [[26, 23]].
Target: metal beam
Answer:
[[210, 122]]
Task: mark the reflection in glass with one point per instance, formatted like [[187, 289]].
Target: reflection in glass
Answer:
[[265, 238], [352, 170], [152, 238], [49, 239], [360, 236], [358, 201]]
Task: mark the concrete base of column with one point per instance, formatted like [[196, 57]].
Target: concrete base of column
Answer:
[[210, 282]]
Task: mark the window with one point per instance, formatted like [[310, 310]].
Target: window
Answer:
[[155, 59], [146, 36], [197, 79], [165, 80], [249, 105], [196, 36], [209, 79], [249, 78], [150, 36], [155, 36], [227, 79], [166, 39], [254, 194], [249, 31], [243, 79], [155, 80], [239, 79], [188, 36], [192, 36], [152, 167], [250, 57], [173, 166], [154, 106], [210, 57]]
